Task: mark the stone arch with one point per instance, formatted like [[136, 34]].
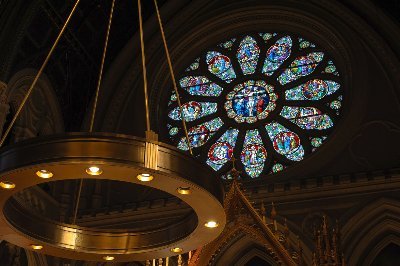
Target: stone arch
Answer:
[[252, 253], [41, 115], [386, 241], [379, 223], [189, 33]]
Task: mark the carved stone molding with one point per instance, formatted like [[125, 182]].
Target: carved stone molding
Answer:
[[4, 107], [366, 229], [41, 115]]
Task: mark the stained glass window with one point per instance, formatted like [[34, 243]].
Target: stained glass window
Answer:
[[268, 99]]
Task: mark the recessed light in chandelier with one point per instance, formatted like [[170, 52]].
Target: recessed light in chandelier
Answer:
[[184, 190], [108, 258], [36, 247], [211, 224], [176, 250], [145, 177], [94, 170], [44, 174], [7, 185]]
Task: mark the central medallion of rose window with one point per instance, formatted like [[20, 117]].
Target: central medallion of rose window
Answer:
[[250, 101]]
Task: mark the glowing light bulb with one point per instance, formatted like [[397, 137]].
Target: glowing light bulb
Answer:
[[44, 173], [94, 170], [211, 224]]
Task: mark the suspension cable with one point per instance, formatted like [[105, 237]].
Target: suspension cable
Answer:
[[171, 70], [29, 92]]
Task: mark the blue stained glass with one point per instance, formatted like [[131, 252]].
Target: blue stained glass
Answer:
[[200, 85], [277, 54], [193, 110], [307, 117], [195, 65], [301, 66], [221, 66], [222, 150], [200, 134], [250, 101], [285, 142], [314, 89], [254, 154], [248, 54]]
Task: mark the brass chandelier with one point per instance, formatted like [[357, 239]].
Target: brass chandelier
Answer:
[[109, 156]]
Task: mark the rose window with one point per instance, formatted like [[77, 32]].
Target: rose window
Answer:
[[267, 99]]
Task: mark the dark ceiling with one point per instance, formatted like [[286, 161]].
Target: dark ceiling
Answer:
[[73, 69]]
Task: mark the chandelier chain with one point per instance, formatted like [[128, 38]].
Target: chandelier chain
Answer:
[[39, 73], [172, 76], [78, 196], [146, 99], [102, 66]]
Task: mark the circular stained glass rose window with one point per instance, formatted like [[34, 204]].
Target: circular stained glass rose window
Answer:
[[267, 99]]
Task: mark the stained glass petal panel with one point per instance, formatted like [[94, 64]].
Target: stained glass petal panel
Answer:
[[221, 151], [313, 90], [253, 154], [200, 85], [277, 54], [248, 54], [300, 67], [200, 134], [221, 66], [193, 110], [307, 117], [285, 142]]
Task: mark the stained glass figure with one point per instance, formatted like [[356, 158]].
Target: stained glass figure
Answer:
[[285, 142], [248, 54], [193, 110], [253, 154], [221, 66], [307, 117], [200, 85], [257, 92], [199, 135], [314, 89], [300, 67], [277, 54], [221, 151], [250, 101]]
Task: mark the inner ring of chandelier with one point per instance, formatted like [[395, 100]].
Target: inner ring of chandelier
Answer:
[[250, 101]]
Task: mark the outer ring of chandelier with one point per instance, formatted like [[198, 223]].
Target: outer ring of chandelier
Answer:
[[121, 158]]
